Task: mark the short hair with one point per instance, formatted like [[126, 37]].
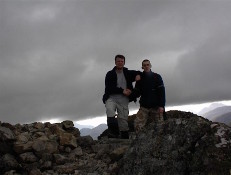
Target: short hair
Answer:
[[145, 60], [120, 56]]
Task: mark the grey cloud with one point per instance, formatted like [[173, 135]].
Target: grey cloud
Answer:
[[54, 54], [204, 73]]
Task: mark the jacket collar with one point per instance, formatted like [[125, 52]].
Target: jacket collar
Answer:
[[124, 69]]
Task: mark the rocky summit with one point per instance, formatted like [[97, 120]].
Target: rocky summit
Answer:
[[183, 144]]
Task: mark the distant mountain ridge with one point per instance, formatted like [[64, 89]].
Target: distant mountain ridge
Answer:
[[225, 118], [219, 114], [211, 115], [210, 108], [94, 132], [82, 126]]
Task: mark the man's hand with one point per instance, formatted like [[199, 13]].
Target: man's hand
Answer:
[[161, 110], [138, 78], [127, 92]]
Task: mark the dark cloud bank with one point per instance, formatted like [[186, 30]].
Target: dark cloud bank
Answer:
[[54, 54]]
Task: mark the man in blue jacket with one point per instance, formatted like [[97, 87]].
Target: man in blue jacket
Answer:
[[118, 89], [152, 97]]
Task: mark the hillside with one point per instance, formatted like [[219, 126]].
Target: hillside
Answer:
[[183, 144], [211, 115], [82, 126], [225, 118], [94, 132], [210, 108]]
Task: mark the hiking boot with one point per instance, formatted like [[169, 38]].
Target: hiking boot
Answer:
[[111, 135], [113, 128], [124, 135]]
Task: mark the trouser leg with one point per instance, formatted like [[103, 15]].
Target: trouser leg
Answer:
[[155, 116], [141, 119], [146, 116], [112, 123], [123, 112], [122, 118], [113, 129]]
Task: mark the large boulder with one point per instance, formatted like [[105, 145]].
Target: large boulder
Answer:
[[183, 144]]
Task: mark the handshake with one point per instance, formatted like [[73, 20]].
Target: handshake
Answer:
[[127, 92]]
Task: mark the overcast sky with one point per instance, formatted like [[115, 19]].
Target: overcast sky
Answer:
[[54, 54]]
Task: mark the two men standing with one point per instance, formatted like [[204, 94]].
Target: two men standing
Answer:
[[119, 92]]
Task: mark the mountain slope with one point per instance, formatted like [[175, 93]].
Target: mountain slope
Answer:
[[82, 126], [210, 108], [211, 115], [225, 118], [94, 132]]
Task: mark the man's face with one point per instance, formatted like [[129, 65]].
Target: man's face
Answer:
[[119, 62], [146, 66]]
